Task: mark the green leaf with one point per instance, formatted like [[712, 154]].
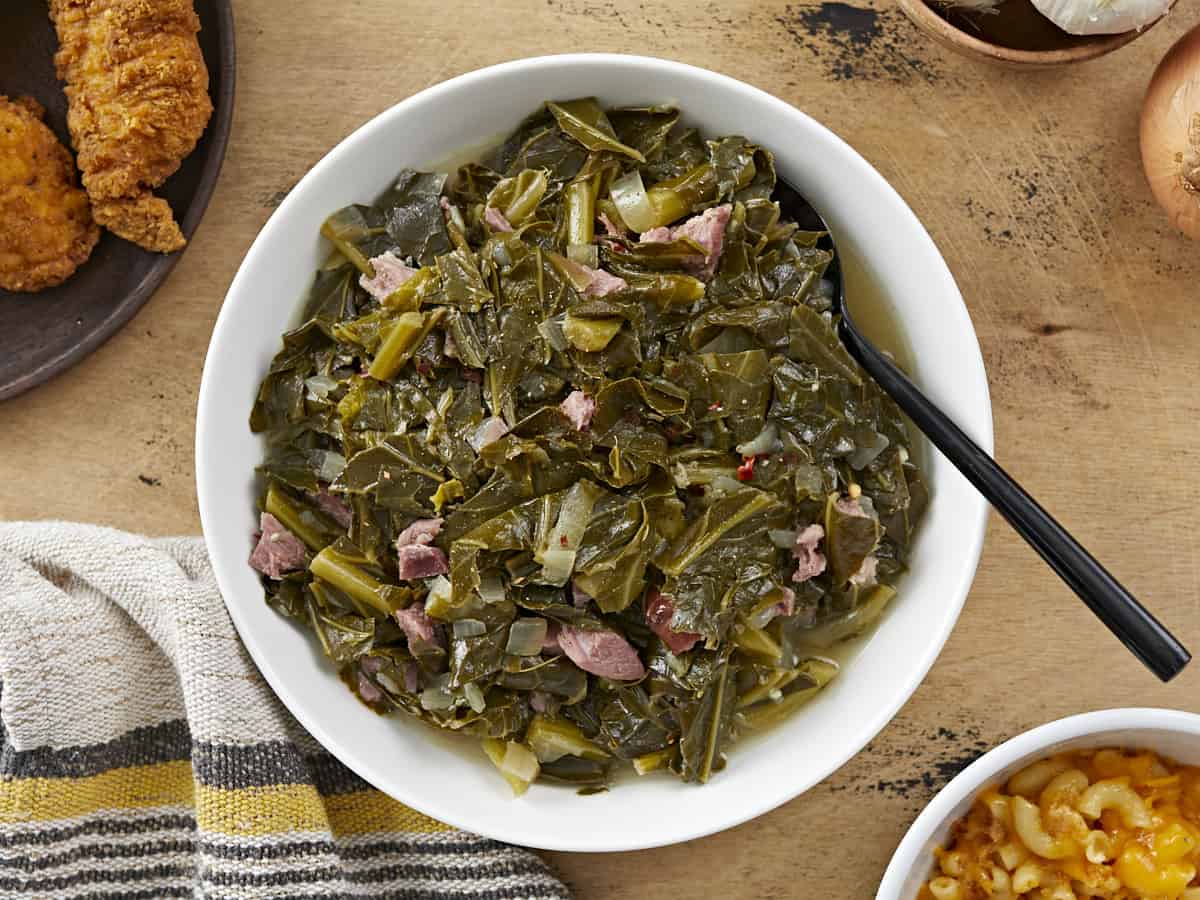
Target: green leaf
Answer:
[[585, 121]]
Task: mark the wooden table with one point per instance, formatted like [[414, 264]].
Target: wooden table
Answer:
[[1085, 303]]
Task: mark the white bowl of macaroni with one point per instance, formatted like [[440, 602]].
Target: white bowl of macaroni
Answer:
[[1103, 804]]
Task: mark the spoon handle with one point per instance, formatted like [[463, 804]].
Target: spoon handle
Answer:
[[1137, 629]]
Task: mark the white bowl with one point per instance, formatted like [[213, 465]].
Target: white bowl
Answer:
[[1167, 732], [450, 778]]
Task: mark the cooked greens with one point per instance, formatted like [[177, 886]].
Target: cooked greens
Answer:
[[566, 454]]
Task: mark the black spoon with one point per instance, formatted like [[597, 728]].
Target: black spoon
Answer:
[[1137, 629]]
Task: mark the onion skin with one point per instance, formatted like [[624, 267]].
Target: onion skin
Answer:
[[1170, 134]]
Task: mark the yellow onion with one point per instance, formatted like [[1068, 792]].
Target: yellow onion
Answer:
[[1170, 134]]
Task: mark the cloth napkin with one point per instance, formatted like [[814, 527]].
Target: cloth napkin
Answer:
[[143, 756]]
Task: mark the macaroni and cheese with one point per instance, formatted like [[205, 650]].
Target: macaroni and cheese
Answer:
[[1116, 824]]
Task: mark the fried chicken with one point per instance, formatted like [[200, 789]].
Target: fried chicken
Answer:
[[138, 92], [46, 227]]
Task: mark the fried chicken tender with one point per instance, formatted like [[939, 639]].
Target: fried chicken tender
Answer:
[[46, 227], [137, 87]]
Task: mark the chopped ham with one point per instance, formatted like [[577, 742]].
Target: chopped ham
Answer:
[[550, 645], [496, 219], [659, 235], [604, 653], [420, 561], [851, 507], [367, 690], [579, 408], [489, 431], [659, 611], [390, 273], [411, 682], [333, 506], [601, 283], [784, 607], [416, 625], [579, 597], [422, 531], [447, 213], [610, 227], [706, 229], [277, 550], [865, 576], [810, 562], [372, 665]]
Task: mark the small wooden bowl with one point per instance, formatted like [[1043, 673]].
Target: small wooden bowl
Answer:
[[1078, 49]]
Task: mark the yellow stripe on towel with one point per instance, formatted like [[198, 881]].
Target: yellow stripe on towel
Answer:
[[250, 812], [272, 809], [134, 787], [366, 811]]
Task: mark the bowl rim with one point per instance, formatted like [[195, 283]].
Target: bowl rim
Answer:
[[951, 36], [974, 518], [980, 772]]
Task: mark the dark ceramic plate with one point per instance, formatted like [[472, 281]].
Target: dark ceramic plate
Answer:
[[43, 334]]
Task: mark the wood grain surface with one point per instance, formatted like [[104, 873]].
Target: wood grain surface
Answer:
[[1085, 303]]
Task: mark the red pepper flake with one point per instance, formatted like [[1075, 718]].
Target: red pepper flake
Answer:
[[715, 406], [423, 365], [562, 540], [745, 471]]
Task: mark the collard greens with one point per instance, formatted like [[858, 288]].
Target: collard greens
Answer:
[[566, 453]]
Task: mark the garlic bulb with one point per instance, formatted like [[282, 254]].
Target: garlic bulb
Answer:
[[1102, 16]]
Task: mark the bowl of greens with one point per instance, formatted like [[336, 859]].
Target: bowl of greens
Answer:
[[538, 485]]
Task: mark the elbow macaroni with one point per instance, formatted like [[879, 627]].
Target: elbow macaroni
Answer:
[[1112, 824]]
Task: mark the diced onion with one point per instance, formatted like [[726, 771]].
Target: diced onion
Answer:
[[389, 683], [440, 592], [474, 696], [557, 552], [591, 335], [516, 763], [723, 484], [320, 385], [520, 762], [551, 331], [332, 464], [501, 255], [525, 637], [438, 696], [766, 441], [557, 566], [469, 628], [491, 587], [629, 195], [784, 538], [585, 254], [864, 456], [552, 739]]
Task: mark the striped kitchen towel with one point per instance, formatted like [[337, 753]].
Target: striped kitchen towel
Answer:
[[143, 756]]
